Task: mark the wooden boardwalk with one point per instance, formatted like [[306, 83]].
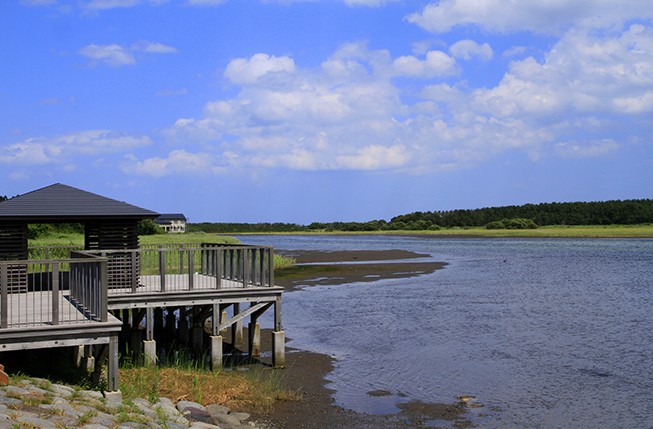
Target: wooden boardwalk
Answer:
[[75, 302]]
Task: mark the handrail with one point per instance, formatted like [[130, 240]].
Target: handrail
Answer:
[[52, 292], [187, 267]]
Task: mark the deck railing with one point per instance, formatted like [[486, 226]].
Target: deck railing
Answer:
[[52, 292], [185, 267]]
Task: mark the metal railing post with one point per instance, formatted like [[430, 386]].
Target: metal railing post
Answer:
[[162, 269], [261, 263], [218, 268], [104, 289], [191, 268], [3, 294], [135, 273], [55, 293], [245, 262], [271, 267]]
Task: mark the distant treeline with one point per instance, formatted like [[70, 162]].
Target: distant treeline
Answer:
[[617, 212]]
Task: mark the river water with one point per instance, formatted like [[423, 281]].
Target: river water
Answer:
[[544, 333]]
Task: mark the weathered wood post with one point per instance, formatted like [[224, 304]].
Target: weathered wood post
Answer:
[[216, 339], [278, 338], [149, 345], [237, 329]]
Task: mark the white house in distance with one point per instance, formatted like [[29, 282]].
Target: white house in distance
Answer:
[[172, 222]]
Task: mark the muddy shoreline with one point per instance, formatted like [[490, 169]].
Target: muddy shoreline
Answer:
[[305, 372]]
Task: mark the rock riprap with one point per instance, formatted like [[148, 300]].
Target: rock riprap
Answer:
[[38, 403]]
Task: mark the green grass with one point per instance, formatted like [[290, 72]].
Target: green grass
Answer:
[[562, 231], [71, 239], [192, 237]]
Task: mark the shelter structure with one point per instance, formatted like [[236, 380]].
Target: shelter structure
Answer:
[[108, 223]]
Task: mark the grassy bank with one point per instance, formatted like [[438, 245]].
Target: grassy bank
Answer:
[[561, 231], [71, 239]]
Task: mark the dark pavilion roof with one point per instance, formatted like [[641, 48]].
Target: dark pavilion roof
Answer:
[[62, 203]]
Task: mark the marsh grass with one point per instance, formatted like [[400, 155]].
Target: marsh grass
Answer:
[[554, 231], [283, 262], [255, 390]]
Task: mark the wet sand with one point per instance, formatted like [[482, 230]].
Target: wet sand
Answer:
[[305, 372], [331, 268]]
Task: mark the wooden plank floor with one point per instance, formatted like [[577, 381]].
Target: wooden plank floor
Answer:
[[35, 309], [178, 292], [179, 283]]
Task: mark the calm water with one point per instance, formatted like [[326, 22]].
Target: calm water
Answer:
[[545, 333]]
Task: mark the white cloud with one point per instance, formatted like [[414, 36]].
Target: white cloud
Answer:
[[575, 149], [436, 63], [113, 55], [38, 2], [59, 149], [466, 49], [351, 113], [178, 162], [244, 71], [97, 5], [110, 4], [158, 48], [583, 73], [539, 16], [376, 157], [206, 2], [515, 50], [368, 2]]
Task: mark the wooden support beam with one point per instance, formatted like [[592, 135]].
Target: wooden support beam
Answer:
[[242, 315]]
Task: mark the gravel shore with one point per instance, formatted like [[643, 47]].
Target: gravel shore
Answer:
[[38, 403]]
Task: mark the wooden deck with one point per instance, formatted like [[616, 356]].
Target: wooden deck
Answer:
[[75, 301], [179, 293]]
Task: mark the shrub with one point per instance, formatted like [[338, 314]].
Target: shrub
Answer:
[[516, 223], [149, 227]]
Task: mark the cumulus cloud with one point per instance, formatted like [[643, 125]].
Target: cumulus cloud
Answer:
[[243, 71], [38, 2], [206, 2], [97, 5], [351, 113], [436, 63], [466, 49], [178, 162], [115, 55], [157, 48], [575, 149], [35, 151], [539, 16], [583, 73]]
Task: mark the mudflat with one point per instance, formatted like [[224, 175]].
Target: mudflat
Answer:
[[331, 268], [305, 372]]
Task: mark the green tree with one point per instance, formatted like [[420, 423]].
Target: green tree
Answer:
[[149, 227]]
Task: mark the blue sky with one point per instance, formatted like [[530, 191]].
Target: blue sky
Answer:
[[327, 110]]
